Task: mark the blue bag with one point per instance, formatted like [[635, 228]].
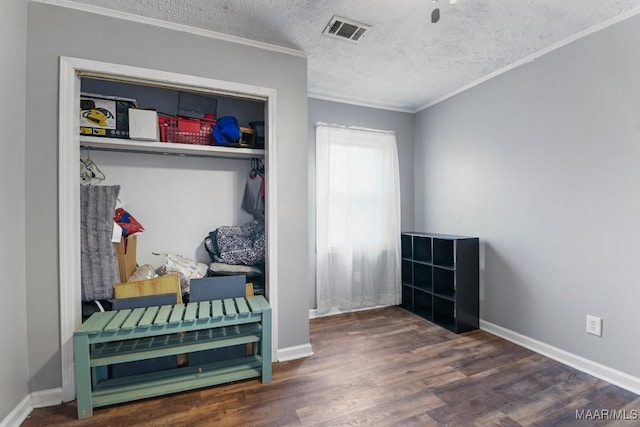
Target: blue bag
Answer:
[[226, 131]]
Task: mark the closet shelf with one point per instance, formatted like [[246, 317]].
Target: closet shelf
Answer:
[[115, 144]]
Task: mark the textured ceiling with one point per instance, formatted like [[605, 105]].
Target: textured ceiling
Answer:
[[404, 61]]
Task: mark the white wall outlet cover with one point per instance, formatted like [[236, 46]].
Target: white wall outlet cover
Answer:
[[594, 325]]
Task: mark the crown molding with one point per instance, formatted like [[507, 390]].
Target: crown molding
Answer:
[[361, 103], [530, 58], [171, 26]]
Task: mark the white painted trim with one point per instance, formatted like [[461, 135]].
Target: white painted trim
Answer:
[[271, 222], [38, 399], [613, 376], [18, 414], [313, 312], [68, 220], [361, 103], [609, 22], [295, 352], [112, 13], [69, 185], [51, 397]]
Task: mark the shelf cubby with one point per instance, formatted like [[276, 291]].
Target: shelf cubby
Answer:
[[444, 312], [407, 272], [423, 276], [407, 247], [440, 279], [423, 304], [443, 252], [407, 297], [444, 282], [422, 249]]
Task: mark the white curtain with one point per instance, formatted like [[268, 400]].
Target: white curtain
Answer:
[[357, 219]]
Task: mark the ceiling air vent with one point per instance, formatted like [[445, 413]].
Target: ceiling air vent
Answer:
[[346, 29]]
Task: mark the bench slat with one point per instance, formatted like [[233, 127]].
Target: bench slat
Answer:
[[149, 315], [96, 322], [263, 302], [229, 307], [117, 320], [132, 320], [216, 308], [204, 311], [163, 315], [255, 305], [176, 314], [192, 309], [243, 309]]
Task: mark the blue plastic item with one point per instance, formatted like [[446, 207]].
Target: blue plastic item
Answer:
[[226, 131]]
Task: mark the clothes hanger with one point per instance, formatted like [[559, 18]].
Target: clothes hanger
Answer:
[[89, 171], [257, 168]]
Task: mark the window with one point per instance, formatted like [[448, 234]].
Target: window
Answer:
[[358, 218]]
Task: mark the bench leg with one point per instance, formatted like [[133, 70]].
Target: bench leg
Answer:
[[83, 376], [265, 346]]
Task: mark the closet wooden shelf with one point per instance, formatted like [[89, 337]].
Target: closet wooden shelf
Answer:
[[115, 144]]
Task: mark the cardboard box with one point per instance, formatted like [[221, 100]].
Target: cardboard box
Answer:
[[126, 252], [143, 125], [104, 115], [157, 286]]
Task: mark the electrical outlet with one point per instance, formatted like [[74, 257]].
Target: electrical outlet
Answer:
[[594, 325]]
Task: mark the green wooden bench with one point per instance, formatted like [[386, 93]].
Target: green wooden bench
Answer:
[[128, 335]]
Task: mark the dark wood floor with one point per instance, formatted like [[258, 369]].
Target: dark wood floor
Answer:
[[383, 367]]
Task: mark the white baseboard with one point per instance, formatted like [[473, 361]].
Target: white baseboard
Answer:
[[18, 414], [295, 352], [51, 397], [313, 312], [610, 375], [38, 399]]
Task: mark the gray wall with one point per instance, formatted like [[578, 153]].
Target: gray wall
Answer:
[[55, 31], [13, 322], [542, 163], [352, 115]]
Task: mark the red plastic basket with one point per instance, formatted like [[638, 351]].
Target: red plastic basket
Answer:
[[186, 131]]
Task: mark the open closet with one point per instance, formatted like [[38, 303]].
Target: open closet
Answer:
[[177, 198], [179, 192]]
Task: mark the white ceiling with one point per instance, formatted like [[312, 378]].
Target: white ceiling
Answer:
[[404, 62]]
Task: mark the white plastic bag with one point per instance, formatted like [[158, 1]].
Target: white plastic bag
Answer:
[[187, 268]]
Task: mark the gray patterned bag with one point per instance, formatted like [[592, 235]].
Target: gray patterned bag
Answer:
[[237, 244]]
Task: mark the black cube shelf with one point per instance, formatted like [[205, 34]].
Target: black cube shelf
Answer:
[[440, 279]]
